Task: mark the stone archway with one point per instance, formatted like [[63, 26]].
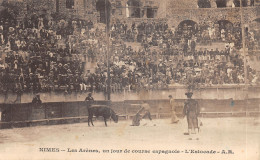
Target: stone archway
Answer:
[[204, 4], [225, 30], [187, 28], [221, 3], [225, 24], [237, 3]]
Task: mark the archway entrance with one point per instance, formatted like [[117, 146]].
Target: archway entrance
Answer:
[[237, 3], [204, 4], [225, 29], [187, 28], [221, 3], [225, 24]]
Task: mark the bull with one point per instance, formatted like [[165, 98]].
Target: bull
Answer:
[[103, 111]]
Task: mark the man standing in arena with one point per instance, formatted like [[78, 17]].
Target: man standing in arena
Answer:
[[37, 99], [191, 110], [89, 99], [36, 103], [174, 118]]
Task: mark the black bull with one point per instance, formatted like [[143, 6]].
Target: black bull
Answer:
[[103, 111]]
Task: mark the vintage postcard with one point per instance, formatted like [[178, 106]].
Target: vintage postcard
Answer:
[[129, 79]]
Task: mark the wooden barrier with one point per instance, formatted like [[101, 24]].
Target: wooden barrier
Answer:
[[23, 115]]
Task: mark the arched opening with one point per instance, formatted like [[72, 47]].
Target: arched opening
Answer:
[[225, 24], [133, 8], [204, 4], [225, 28], [187, 28], [237, 3], [103, 7], [221, 3]]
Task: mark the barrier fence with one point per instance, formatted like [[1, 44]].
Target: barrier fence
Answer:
[[237, 92], [28, 114]]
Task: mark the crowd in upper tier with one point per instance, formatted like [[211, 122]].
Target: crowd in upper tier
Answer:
[[43, 54]]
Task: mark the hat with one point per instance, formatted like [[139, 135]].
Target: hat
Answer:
[[189, 94], [170, 96]]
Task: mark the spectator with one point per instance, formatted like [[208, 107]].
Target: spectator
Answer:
[[37, 100]]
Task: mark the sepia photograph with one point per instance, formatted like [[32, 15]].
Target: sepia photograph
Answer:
[[129, 79]]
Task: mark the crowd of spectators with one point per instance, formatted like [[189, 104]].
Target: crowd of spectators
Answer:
[[169, 56], [158, 33], [38, 54], [44, 53]]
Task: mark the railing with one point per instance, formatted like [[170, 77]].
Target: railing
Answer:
[[26, 115]]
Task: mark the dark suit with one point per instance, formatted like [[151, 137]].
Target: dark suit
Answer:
[[191, 110], [36, 100], [89, 101]]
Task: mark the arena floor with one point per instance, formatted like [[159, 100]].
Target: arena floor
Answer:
[[241, 135]]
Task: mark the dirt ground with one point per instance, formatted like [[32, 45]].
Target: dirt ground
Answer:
[[238, 136]]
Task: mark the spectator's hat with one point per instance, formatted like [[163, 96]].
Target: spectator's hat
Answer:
[[66, 66], [189, 94]]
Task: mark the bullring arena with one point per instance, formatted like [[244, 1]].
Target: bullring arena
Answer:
[[237, 134], [235, 127], [128, 54]]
